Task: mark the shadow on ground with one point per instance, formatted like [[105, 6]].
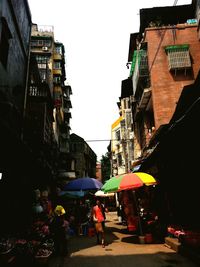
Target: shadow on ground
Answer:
[[158, 259], [77, 243]]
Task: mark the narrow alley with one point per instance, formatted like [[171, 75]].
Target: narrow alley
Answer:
[[122, 249], [99, 98]]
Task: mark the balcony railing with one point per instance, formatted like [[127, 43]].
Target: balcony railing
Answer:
[[57, 71], [57, 56], [139, 69], [144, 99], [38, 90], [48, 130]]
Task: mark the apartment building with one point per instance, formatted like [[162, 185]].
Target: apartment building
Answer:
[[84, 158], [117, 152], [53, 112], [165, 56]]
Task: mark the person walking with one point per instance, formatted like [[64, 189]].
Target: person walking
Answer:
[[59, 227], [98, 215]]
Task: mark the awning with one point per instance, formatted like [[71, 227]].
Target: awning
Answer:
[[101, 193], [175, 47]]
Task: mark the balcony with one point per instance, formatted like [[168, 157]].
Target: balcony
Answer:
[[65, 127], [68, 90], [57, 56], [66, 110], [58, 90], [67, 104], [38, 90], [139, 70], [144, 98], [38, 124], [57, 71], [48, 131], [67, 116]]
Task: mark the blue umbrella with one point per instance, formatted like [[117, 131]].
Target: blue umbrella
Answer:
[[73, 194], [83, 184]]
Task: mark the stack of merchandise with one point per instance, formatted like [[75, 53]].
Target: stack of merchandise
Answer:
[[44, 251], [7, 246]]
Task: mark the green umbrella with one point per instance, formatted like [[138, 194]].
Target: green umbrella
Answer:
[[112, 185]]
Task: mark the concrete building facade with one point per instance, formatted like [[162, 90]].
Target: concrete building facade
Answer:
[[84, 157], [15, 160]]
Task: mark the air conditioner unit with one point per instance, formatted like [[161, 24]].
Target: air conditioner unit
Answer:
[[45, 48]]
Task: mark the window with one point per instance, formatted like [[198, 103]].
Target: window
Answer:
[[119, 159], [128, 119], [178, 57], [143, 63], [73, 165], [56, 79], [42, 59], [41, 66], [4, 42], [117, 135], [47, 43], [125, 104], [43, 74], [74, 147], [33, 43], [40, 42], [57, 65], [58, 50]]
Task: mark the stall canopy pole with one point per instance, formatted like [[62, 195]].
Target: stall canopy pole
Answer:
[[138, 213]]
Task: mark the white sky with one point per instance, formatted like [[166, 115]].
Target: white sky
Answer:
[[96, 35]]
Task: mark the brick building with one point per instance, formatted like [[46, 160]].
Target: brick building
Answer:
[[164, 58], [173, 56]]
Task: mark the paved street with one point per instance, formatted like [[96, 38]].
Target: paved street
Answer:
[[121, 250]]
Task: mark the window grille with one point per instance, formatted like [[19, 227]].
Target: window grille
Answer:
[[143, 63], [178, 57], [140, 63]]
